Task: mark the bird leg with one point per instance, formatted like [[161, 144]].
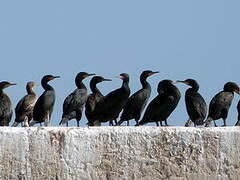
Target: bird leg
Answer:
[[47, 118], [111, 123], [161, 122], [78, 124], [158, 123], [127, 122], [67, 124], [26, 122], [215, 123], [188, 123], [166, 124], [224, 122], [115, 121]]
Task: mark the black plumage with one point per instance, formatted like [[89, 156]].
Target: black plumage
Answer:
[[137, 102], [195, 103], [24, 108], [238, 108], [74, 103], [221, 102], [5, 104], [93, 99], [160, 108], [109, 107], [43, 108]]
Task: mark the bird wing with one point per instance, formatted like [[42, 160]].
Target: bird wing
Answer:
[[44, 104], [135, 105], [75, 101], [25, 105], [220, 102], [5, 110], [196, 104], [150, 113]]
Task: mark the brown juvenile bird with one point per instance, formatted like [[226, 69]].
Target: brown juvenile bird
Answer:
[[5, 104], [24, 108]]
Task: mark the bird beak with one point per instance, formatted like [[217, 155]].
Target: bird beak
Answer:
[[56, 77], [91, 74], [107, 80], [12, 84], [152, 73], [184, 82]]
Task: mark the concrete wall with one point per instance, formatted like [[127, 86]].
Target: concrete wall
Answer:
[[113, 153]]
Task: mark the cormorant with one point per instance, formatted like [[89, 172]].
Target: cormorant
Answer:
[[5, 104], [160, 108], [24, 108], [195, 104], [43, 108], [109, 107], [238, 108], [137, 102], [74, 103], [93, 98], [221, 103]]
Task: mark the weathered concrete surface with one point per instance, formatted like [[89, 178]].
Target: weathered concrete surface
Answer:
[[113, 153]]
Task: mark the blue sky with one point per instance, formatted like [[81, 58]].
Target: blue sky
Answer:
[[180, 39]]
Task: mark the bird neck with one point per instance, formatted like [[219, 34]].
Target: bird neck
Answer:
[[194, 88], [94, 88], [30, 90], [145, 84], [125, 84], [46, 86], [80, 85]]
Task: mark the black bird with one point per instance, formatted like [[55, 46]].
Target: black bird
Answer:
[[43, 108], [74, 103], [160, 108], [24, 108], [195, 104], [5, 104], [109, 107], [93, 98], [221, 103], [137, 102], [238, 108]]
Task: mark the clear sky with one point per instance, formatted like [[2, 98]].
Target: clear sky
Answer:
[[180, 39]]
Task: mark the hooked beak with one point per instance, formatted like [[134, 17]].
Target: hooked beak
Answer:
[[56, 77], [12, 84], [152, 73], [184, 82], [107, 80], [93, 74]]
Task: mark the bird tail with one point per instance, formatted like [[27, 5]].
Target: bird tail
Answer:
[[208, 122], [142, 122], [15, 124], [238, 122], [64, 120], [120, 122]]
